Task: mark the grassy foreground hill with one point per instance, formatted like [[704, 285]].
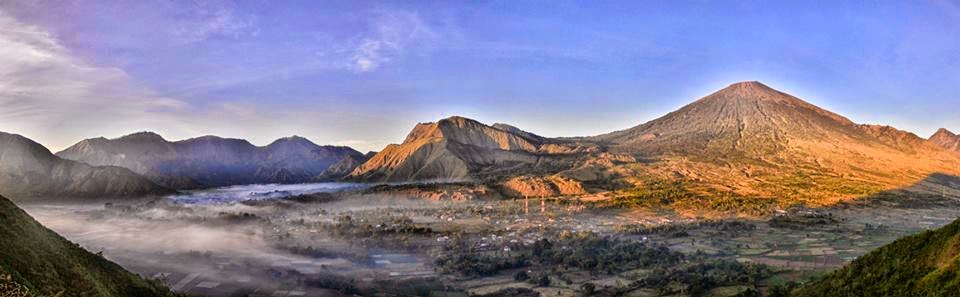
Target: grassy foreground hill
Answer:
[[926, 264], [35, 261]]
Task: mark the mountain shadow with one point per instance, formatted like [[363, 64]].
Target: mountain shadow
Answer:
[[926, 264], [937, 190]]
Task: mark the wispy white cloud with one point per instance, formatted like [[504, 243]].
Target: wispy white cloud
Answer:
[[381, 36], [213, 19], [357, 143], [50, 95], [392, 33], [40, 81]]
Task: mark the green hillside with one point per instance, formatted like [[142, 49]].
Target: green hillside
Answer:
[[35, 261], [926, 264]]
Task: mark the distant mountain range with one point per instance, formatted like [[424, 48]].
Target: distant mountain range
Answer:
[[35, 261], [29, 170], [747, 139], [211, 161]]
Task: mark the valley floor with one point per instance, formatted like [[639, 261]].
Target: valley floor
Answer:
[[355, 242]]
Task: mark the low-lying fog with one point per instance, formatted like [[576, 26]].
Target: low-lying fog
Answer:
[[332, 238], [232, 240], [260, 192]]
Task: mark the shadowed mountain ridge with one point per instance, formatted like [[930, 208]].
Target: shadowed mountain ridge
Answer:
[[29, 170], [212, 161]]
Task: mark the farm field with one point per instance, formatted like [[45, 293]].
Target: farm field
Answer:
[[357, 242]]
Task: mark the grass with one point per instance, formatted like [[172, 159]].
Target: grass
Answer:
[[699, 187], [652, 193], [926, 264], [684, 196], [45, 264], [815, 188]]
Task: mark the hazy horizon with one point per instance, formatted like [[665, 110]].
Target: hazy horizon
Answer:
[[363, 79]]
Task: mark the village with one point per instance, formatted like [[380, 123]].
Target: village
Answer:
[[350, 243]]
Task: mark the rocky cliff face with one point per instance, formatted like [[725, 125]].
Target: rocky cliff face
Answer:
[[211, 161], [946, 139], [542, 186], [29, 170], [458, 148]]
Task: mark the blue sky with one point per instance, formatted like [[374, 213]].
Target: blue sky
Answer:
[[362, 73]]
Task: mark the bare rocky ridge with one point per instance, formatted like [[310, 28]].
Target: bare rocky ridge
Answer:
[[604, 166], [752, 120], [946, 139], [746, 140], [518, 131], [343, 167], [753, 140], [211, 161], [746, 118], [458, 149], [29, 170]]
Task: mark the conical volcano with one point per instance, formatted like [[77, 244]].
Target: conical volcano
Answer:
[[746, 118], [751, 139]]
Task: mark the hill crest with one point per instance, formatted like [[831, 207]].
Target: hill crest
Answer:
[[946, 139], [458, 148], [44, 263]]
